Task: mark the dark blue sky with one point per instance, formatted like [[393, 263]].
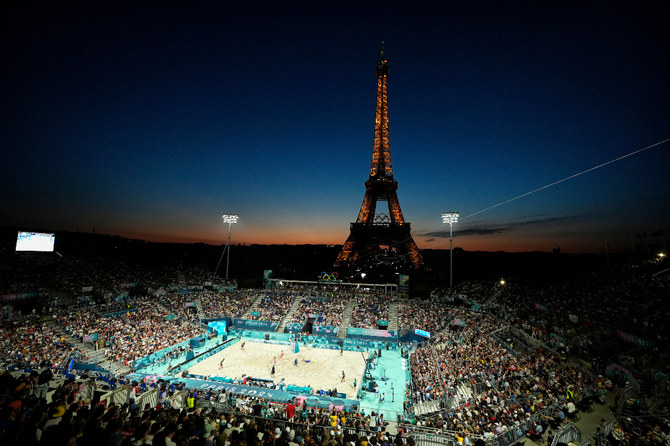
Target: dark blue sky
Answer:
[[150, 121]]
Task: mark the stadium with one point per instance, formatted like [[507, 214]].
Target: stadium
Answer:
[[118, 120], [490, 363]]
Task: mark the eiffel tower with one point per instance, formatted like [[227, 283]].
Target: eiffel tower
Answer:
[[378, 238]]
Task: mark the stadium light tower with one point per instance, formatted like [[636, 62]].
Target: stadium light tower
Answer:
[[451, 218], [230, 219]]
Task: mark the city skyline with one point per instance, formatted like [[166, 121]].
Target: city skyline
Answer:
[[542, 125]]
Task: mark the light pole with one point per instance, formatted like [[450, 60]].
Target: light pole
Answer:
[[451, 218], [230, 219]]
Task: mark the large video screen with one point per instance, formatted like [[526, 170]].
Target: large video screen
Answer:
[[35, 242]]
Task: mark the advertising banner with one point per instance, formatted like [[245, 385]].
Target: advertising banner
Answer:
[[372, 335], [18, 296], [91, 337], [292, 328], [248, 324], [325, 330], [196, 382], [632, 339]]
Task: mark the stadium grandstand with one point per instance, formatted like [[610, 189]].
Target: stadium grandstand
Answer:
[[100, 351]]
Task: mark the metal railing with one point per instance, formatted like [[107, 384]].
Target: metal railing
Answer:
[[522, 428], [148, 398], [628, 393], [439, 371], [421, 437], [569, 433], [118, 396], [606, 430], [515, 345]]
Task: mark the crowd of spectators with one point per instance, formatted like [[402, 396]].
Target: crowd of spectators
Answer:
[[505, 387], [184, 417], [369, 309], [637, 432], [33, 340], [585, 312], [228, 303], [195, 276], [433, 374], [328, 310], [429, 315], [132, 335], [68, 275], [296, 411], [95, 282], [182, 306], [273, 306], [509, 388]]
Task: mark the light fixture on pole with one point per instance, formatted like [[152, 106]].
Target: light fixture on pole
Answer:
[[230, 219], [451, 218]]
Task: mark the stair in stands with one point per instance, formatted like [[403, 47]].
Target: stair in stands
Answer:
[[463, 393], [289, 314], [93, 356], [181, 279], [198, 306], [253, 307], [346, 319], [393, 316]]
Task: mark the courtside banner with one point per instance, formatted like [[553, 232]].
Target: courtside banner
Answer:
[[194, 382], [250, 324], [325, 330], [372, 335], [292, 327]]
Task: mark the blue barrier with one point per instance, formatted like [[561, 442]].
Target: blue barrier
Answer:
[[150, 359], [347, 344], [221, 379], [91, 367], [202, 356], [320, 401], [273, 337], [410, 336]]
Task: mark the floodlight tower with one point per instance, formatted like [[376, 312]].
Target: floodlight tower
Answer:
[[230, 219], [451, 218]]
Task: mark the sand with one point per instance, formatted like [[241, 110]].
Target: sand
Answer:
[[324, 371]]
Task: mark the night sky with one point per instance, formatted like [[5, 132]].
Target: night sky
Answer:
[[150, 121]]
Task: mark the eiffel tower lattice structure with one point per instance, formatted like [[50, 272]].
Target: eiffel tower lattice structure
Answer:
[[379, 237]]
